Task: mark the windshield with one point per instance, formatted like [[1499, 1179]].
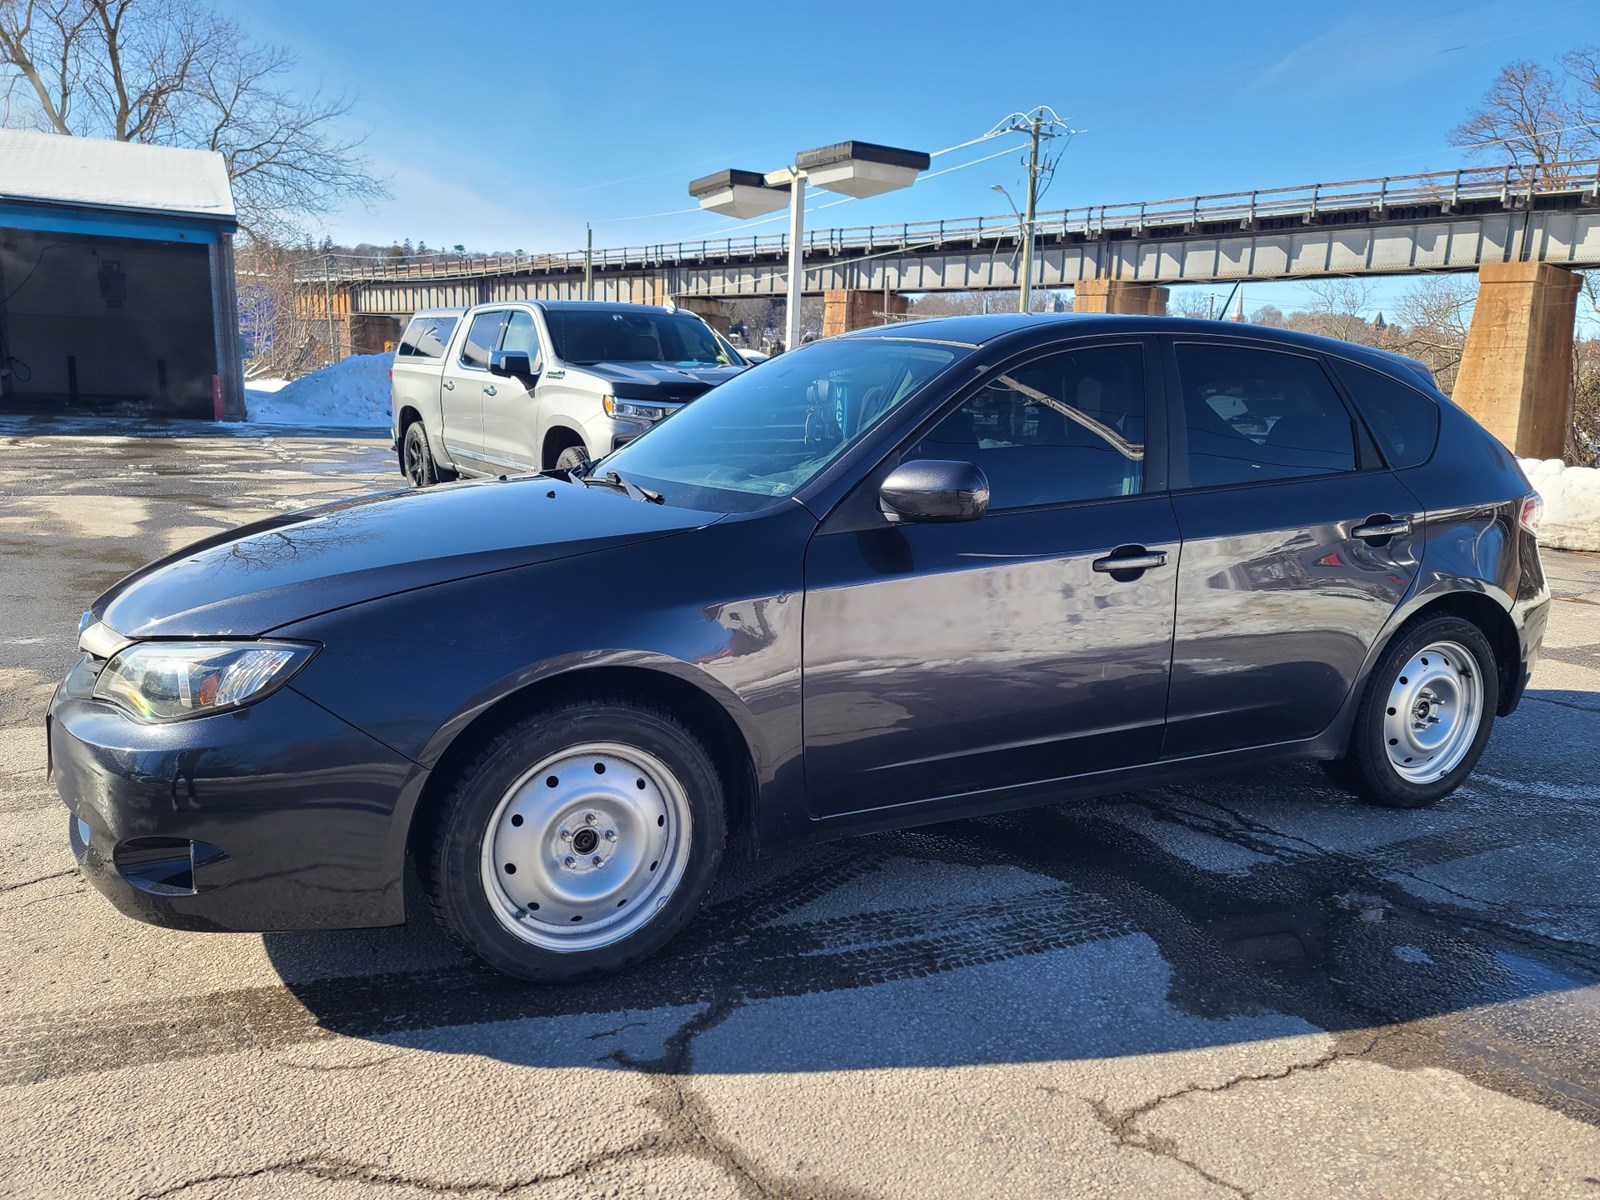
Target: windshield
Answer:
[[764, 434], [587, 336]]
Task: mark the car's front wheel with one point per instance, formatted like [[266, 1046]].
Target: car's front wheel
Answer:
[[571, 457], [578, 842], [1425, 716]]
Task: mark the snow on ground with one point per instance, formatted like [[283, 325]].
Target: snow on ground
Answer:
[[352, 392], [1571, 503]]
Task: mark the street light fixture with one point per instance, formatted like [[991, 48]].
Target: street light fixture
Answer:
[[857, 169]]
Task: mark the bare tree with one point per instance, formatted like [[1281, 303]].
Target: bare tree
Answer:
[[175, 73], [1533, 119], [1434, 317]]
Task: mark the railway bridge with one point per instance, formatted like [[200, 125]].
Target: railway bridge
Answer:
[[1522, 234]]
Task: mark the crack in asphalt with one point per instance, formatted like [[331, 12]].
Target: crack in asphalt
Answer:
[[332, 1168], [13, 887], [687, 1117], [1123, 1124]]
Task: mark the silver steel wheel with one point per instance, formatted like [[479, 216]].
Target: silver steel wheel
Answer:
[[585, 848], [1433, 712]]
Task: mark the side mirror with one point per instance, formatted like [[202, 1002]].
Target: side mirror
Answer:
[[511, 363], [931, 489]]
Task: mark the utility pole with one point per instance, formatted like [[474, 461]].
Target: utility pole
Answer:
[[327, 299], [1042, 124], [1025, 293], [588, 261]]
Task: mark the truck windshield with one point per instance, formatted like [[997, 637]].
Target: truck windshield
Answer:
[[585, 337], [764, 434]]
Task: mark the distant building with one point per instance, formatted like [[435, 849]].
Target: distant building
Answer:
[[116, 279]]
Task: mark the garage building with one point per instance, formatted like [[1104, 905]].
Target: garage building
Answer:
[[116, 280]]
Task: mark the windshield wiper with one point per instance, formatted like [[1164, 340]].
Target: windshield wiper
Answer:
[[613, 480]]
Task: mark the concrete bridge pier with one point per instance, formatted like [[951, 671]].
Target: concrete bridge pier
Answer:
[[1516, 370], [714, 313], [844, 309], [1119, 296]]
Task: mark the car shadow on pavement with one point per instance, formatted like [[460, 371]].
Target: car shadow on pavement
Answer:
[[1223, 911]]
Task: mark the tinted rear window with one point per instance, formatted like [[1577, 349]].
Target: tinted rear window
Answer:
[[1404, 420], [426, 337]]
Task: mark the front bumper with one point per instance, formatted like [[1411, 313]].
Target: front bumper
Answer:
[[275, 816]]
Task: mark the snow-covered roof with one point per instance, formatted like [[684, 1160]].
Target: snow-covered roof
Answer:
[[54, 169]]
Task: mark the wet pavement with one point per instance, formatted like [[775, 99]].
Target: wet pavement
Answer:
[[1249, 986]]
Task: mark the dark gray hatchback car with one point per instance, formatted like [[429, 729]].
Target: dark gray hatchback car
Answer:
[[905, 575]]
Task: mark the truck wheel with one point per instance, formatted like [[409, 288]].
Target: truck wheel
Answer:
[[416, 457], [1425, 717], [578, 842], [572, 456]]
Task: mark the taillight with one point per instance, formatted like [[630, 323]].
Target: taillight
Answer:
[[1532, 510]]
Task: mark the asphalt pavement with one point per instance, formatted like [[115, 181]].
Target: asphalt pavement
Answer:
[[1250, 986]]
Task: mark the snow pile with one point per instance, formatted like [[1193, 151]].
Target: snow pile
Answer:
[[351, 392], [1571, 503]]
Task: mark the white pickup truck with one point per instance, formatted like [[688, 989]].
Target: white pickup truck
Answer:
[[536, 385]]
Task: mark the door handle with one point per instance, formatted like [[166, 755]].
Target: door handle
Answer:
[[1381, 527], [1138, 560], [449, 386], [488, 389]]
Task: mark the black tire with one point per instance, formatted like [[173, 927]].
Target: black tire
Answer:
[[460, 852], [571, 456], [416, 457], [1366, 770]]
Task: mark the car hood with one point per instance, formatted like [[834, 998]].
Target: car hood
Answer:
[[285, 569], [657, 381]]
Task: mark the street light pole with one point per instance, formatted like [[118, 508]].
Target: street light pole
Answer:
[[797, 266], [1022, 305]]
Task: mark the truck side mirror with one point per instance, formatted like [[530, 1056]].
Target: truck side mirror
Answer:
[[511, 363]]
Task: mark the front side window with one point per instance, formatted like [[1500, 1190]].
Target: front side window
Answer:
[[522, 337], [1260, 414], [765, 433], [1063, 428], [483, 338]]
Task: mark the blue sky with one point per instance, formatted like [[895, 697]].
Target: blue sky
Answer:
[[504, 124]]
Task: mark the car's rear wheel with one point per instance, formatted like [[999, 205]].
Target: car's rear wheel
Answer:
[[416, 457], [1425, 716], [578, 842]]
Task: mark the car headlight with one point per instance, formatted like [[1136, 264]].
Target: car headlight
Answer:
[[168, 681], [631, 411]]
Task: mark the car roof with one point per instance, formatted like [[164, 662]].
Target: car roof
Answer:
[[558, 306], [602, 306], [1023, 329]]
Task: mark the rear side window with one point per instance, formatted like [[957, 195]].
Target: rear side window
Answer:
[[1404, 420], [483, 338], [1260, 414], [426, 337]]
